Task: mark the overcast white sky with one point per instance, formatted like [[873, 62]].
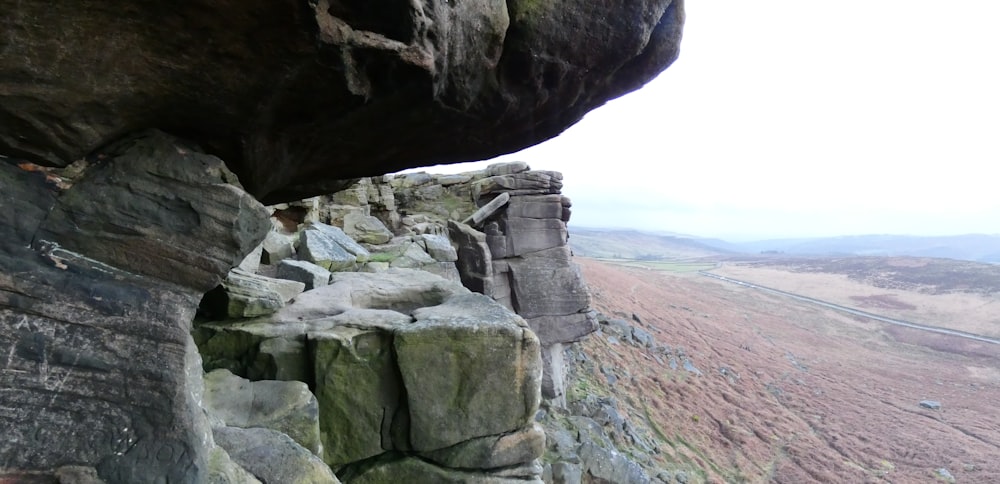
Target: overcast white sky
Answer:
[[799, 118]]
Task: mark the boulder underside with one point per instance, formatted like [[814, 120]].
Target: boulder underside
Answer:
[[297, 96]]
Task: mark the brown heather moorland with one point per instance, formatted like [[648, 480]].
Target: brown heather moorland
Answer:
[[790, 392]]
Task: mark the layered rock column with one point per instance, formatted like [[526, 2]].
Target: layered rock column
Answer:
[[101, 270], [528, 266]]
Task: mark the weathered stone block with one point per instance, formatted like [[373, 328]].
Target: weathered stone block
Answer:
[[524, 183], [278, 246], [325, 252], [325, 238], [446, 270], [526, 235], [366, 229], [536, 206], [272, 456], [546, 286], [284, 288], [160, 208], [413, 256], [437, 246], [475, 263], [309, 274], [221, 470], [507, 168], [246, 295], [471, 350], [563, 329], [490, 452], [359, 390], [101, 370], [397, 468], [554, 373], [285, 406]]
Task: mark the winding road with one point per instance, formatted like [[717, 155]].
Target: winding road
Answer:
[[856, 312]]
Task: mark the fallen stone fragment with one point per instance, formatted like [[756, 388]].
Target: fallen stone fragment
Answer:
[[487, 211], [437, 246], [285, 406], [272, 456], [246, 295], [277, 247], [324, 246], [366, 228], [311, 275]]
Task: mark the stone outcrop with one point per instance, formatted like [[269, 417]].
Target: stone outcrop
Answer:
[[402, 363], [297, 95], [100, 278], [514, 251], [113, 231], [390, 371], [602, 435], [526, 263]]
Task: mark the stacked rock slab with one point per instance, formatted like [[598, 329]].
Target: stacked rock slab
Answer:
[[511, 243], [531, 269], [416, 378]]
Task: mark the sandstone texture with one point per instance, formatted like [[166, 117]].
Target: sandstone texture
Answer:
[[387, 366], [114, 230], [284, 406], [296, 95], [100, 278], [402, 362], [272, 456], [119, 241]]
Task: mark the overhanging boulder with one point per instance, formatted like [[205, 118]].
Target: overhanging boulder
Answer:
[[297, 96]]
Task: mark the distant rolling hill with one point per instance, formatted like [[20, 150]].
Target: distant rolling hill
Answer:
[[634, 244], [973, 247]]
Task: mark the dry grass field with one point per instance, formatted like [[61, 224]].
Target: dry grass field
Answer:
[[957, 295], [790, 392]]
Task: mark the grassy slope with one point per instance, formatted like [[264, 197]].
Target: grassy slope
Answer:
[[794, 393]]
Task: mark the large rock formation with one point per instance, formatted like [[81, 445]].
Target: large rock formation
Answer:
[[112, 231], [296, 95], [404, 365], [528, 266], [100, 280], [511, 243]]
